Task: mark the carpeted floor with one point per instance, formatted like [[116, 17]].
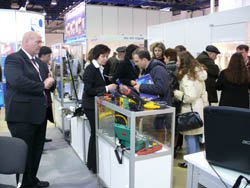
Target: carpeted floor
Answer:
[[63, 169], [60, 166]]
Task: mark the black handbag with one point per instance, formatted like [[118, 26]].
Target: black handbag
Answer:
[[188, 121]]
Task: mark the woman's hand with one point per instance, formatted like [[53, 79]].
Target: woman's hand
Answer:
[[132, 83], [112, 87]]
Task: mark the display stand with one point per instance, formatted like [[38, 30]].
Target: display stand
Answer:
[[65, 60], [147, 171], [80, 133]]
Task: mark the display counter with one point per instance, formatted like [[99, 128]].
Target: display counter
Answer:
[[146, 139], [80, 134]]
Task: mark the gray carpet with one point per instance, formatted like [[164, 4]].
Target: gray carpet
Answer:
[[60, 166]]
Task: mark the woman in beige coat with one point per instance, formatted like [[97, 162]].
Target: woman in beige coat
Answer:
[[192, 90]]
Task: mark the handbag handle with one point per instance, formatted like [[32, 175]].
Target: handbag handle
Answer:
[[238, 181], [189, 104]]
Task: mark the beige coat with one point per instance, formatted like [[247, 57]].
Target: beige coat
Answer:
[[194, 92]]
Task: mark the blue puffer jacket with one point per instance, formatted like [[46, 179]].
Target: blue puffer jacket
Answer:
[[158, 72]]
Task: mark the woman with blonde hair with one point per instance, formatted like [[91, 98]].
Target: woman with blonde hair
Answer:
[[192, 92], [158, 50]]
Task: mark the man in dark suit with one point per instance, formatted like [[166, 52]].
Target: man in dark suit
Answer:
[[45, 56], [26, 103]]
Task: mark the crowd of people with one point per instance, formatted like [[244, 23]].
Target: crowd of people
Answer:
[[179, 79]]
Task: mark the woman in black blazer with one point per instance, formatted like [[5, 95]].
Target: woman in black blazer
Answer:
[[234, 83], [94, 85]]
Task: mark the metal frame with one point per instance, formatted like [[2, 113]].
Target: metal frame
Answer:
[[131, 115]]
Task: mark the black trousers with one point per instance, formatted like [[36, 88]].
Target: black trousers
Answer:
[[34, 136], [91, 161]]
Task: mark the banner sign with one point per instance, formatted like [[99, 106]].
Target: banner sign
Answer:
[[74, 21]]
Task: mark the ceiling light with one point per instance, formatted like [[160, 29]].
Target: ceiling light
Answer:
[[15, 6], [53, 2]]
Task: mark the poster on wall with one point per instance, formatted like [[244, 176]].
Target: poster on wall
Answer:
[[29, 21], [74, 21]]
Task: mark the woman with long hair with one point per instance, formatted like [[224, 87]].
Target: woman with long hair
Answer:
[[234, 83], [192, 92], [158, 50]]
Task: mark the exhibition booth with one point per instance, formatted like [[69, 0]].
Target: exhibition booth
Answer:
[[14, 24]]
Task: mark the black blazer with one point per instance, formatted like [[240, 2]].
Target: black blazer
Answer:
[[235, 95], [24, 100], [94, 85], [44, 71], [126, 72]]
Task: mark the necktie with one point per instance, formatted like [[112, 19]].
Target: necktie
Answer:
[[36, 66]]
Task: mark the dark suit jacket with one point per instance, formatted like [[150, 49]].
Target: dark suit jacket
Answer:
[[126, 72], [24, 100], [94, 85], [44, 71]]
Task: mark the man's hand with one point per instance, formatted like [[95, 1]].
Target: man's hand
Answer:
[[48, 82]]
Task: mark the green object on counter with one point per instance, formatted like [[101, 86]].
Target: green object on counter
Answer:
[[122, 132]]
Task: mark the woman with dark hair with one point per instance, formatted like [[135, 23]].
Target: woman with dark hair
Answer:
[[234, 83], [127, 72], [180, 48], [94, 85], [192, 91], [158, 50]]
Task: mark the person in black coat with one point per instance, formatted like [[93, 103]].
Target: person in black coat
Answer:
[[234, 83], [25, 103], [45, 56], [127, 72], [207, 58], [94, 85]]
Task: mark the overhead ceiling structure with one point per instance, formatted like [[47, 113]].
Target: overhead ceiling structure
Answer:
[[54, 10]]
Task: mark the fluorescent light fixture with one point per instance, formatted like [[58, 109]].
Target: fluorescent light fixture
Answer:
[[167, 9], [44, 13], [53, 2]]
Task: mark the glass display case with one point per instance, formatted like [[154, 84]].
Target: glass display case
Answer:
[[66, 68], [134, 148]]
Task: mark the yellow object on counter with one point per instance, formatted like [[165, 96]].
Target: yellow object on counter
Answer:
[[151, 105]]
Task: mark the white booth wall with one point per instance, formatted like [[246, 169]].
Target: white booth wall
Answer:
[[15, 23], [111, 20], [232, 4], [226, 27]]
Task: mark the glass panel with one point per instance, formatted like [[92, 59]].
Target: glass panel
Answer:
[[153, 133]]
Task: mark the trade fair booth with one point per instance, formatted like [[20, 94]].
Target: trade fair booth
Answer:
[[14, 24], [85, 27]]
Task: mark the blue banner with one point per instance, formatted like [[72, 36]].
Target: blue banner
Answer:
[[1, 95]]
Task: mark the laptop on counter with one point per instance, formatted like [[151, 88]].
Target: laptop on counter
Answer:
[[227, 137]]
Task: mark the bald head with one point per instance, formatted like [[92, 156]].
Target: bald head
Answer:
[[32, 42]]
